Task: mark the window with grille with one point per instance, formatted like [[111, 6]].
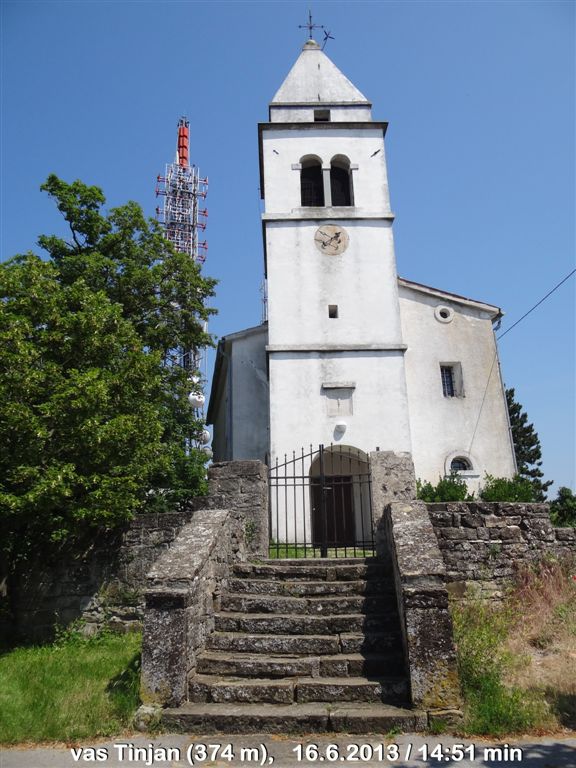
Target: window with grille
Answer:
[[460, 465], [451, 376], [447, 380]]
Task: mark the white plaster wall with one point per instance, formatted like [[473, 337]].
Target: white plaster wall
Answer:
[[250, 404], [306, 114], [283, 148], [302, 282], [299, 411], [443, 427]]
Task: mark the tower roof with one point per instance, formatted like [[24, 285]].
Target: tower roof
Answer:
[[314, 79]]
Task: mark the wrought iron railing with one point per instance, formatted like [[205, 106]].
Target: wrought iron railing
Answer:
[[320, 504]]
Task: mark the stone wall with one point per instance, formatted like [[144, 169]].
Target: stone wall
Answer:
[[182, 595], [392, 479], [105, 584], [419, 575], [184, 585], [101, 586], [483, 543]]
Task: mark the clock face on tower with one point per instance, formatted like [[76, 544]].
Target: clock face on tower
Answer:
[[331, 239]]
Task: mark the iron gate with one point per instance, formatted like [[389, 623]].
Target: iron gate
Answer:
[[320, 504]]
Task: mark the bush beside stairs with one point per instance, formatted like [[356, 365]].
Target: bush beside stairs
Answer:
[[302, 646]]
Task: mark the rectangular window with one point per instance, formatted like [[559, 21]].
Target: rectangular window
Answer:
[[321, 115], [451, 376], [332, 311]]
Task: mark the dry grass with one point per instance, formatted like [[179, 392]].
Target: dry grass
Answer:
[[517, 659], [543, 638]]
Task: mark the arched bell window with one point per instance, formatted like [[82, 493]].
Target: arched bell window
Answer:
[[311, 182], [341, 181]]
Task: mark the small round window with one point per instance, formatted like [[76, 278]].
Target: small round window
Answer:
[[444, 314]]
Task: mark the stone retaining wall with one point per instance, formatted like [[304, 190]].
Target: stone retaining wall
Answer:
[[102, 586], [105, 585], [483, 543]]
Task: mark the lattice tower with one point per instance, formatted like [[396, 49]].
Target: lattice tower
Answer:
[[183, 219]]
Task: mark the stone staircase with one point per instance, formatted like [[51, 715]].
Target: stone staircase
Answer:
[[302, 646]]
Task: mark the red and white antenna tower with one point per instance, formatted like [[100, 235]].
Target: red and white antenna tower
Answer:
[[183, 190]]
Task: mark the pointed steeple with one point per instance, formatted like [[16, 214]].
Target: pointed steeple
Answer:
[[315, 80]]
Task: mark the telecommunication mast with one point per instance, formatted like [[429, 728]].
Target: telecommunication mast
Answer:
[[184, 191]]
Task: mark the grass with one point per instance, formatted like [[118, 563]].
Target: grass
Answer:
[[517, 660], [74, 689], [290, 551]]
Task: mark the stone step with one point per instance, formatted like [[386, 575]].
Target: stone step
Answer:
[[312, 606], [273, 644], [371, 642], [306, 645], [311, 588], [312, 570], [294, 718], [269, 666], [217, 690], [270, 624]]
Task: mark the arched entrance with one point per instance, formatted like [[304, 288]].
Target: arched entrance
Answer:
[[340, 498], [320, 504]]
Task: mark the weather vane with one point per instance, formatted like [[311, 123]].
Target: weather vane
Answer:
[[310, 26], [327, 36]]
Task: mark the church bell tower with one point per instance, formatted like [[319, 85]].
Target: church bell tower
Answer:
[[335, 348]]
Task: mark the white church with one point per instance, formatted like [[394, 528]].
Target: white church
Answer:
[[351, 354]]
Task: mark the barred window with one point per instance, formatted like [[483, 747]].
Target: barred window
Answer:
[[460, 465], [452, 379], [447, 374]]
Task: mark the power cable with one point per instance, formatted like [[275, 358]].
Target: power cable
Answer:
[[536, 305], [543, 299]]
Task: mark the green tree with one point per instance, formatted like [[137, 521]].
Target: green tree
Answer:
[[526, 448], [94, 415], [563, 508]]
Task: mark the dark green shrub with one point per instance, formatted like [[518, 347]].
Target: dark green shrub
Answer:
[[506, 489], [451, 488]]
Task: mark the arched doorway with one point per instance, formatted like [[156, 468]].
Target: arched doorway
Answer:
[[320, 503], [340, 499]]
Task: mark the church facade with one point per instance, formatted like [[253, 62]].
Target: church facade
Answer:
[[351, 354]]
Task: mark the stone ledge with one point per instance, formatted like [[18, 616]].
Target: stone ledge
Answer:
[[186, 558]]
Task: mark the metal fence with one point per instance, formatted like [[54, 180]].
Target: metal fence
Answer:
[[320, 504]]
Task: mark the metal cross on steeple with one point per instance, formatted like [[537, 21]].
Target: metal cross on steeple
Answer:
[[310, 26]]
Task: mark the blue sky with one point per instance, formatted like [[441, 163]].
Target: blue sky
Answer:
[[480, 97]]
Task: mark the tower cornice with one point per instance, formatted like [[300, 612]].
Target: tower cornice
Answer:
[[328, 126], [320, 214]]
